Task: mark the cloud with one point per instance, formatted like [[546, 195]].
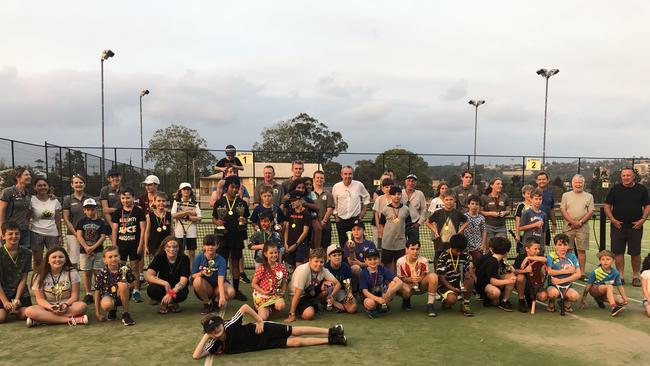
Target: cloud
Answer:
[[456, 91]]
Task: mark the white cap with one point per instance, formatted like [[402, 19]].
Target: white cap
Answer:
[[184, 185], [151, 179], [334, 248], [89, 202]]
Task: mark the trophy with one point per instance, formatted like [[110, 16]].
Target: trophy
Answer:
[[348, 290], [384, 306], [329, 288], [349, 234], [57, 291], [123, 271], [221, 215], [210, 268], [278, 284], [277, 226], [242, 220]]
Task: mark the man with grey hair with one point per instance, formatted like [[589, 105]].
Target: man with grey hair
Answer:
[[351, 201], [577, 207]]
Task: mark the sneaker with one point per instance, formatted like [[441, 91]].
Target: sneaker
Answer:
[[89, 299], [32, 323], [372, 314], [207, 309], [112, 315], [505, 306], [240, 296], [384, 308], [338, 339], [137, 297], [431, 312], [465, 309], [142, 281], [127, 320], [175, 308], [78, 320], [617, 309], [336, 330], [521, 306], [636, 282], [244, 277], [406, 305], [600, 302]]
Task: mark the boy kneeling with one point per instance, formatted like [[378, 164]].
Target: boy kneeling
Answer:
[[413, 270], [377, 284], [456, 274], [530, 270], [493, 282], [113, 288], [601, 282]]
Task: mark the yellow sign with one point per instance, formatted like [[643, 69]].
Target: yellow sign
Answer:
[[376, 182], [533, 164], [245, 157]]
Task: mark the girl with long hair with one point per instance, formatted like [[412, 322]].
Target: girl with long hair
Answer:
[[269, 283]]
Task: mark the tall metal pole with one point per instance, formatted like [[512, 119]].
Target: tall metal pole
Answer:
[[545, 112], [141, 140], [101, 164], [475, 134]]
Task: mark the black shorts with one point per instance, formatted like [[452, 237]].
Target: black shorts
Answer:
[[306, 302], [227, 252], [128, 251], [301, 254], [626, 236], [275, 336], [390, 256], [190, 244]]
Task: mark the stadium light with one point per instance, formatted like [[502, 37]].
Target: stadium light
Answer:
[[476, 104], [106, 54], [142, 94], [546, 74]]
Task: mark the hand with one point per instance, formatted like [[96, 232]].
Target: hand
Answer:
[[518, 237], [166, 300], [351, 245], [99, 316], [583, 303], [324, 222], [9, 306], [528, 269], [638, 224], [290, 319], [259, 327], [222, 301], [16, 304], [539, 224], [511, 279], [220, 223], [617, 224], [88, 250], [456, 290], [555, 280], [436, 236], [380, 300]]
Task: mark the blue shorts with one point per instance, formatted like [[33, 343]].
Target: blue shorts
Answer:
[[25, 239], [301, 254]]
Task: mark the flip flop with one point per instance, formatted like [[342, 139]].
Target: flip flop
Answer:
[[164, 309], [550, 308]]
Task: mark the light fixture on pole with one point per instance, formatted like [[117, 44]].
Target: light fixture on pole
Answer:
[[476, 104], [106, 54], [546, 74], [142, 94]]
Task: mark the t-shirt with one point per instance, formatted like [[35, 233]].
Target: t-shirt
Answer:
[[646, 274], [600, 276], [394, 237], [185, 226], [65, 279], [231, 222], [577, 204], [107, 280], [548, 203], [144, 203], [305, 279], [376, 282], [420, 268], [628, 202], [263, 237], [218, 267], [447, 222], [225, 161], [521, 207], [531, 216], [359, 249], [156, 237], [435, 205], [11, 272], [324, 200], [260, 209], [378, 206], [269, 280], [488, 267], [171, 272], [92, 229], [495, 204], [111, 195], [76, 209], [519, 260], [276, 195], [43, 222], [342, 273], [451, 267], [474, 231], [416, 204], [297, 221], [18, 206], [128, 225], [462, 194], [553, 261]]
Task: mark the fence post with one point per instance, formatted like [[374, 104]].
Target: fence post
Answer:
[[47, 169], [187, 165], [523, 172], [409, 171], [13, 161], [579, 162], [114, 165], [383, 163], [469, 164]]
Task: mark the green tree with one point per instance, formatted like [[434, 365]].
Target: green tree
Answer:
[[302, 137]]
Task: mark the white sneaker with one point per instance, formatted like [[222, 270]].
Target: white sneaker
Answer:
[[31, 323]]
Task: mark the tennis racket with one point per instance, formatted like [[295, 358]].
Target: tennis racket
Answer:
[[518, 243], [536, 279], [185, 222], [564, 288]]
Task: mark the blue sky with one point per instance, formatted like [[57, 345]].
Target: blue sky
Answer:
[[384, 73]]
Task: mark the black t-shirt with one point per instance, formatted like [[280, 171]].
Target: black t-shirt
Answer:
[[155, 236], [297, 221], [128, 225], [242, 338], [231, 222], [488, 267], [455, 217], [92, 229], [519, 260], [628, 202], [235, 161], [169, 272]]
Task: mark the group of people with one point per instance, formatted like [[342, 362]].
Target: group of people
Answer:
[[294, 253]]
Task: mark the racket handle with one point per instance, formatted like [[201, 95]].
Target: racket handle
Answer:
[[532, 307]]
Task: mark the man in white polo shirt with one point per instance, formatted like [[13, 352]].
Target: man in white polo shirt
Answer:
[[415, 201], [350, 202]]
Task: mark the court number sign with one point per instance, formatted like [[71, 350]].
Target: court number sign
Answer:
[[533, 164]]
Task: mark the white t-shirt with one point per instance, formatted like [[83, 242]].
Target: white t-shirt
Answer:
[[190, 227], [67, 279], [646, 274], [435, 205], [304, 279], [43, 216]]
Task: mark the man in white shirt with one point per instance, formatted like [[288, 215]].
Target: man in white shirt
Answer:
[[417, 204], [577, 207], [350, 203]]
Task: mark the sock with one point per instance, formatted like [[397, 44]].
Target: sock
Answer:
[[235, 284], [465, 302], [430, 297]]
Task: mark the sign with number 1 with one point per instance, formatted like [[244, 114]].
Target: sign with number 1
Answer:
[[245, 157]]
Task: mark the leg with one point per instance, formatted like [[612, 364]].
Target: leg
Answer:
[[38, 258], [308, 314], [41, 315], [228, 290], [304, 342], [542, 296], [636, 266], [135, 267], [493, 294], [582, 258], [300, 331], [317, 233], [88, 280], [279, 306], [107, 303], [3, 315], [191, 254], [370, 304], [451, 299], [123, 291], [393, 287], [263, 313], [521, 286], [646, 306], [508, 288], [77, 308], [350, 307], [202, 289], [620, 264]]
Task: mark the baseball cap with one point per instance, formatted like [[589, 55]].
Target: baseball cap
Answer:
[[370, 252], [295, 195], [184, 185], [358, 223], [412, 176], [151, 179], [89, 202], [113, 172], [395, 190], [334, 248], [211, 322]]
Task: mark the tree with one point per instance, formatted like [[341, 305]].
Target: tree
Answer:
[[174, 150], [302, 137]]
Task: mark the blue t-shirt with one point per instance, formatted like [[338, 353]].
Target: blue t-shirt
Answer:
[[530, 216], [359, 249], [601, 277], [553, 261], [218, 268], [376, 282], [277, 214], [342, 273], [548, 202]]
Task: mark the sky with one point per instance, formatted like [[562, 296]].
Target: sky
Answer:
[[383, 73]]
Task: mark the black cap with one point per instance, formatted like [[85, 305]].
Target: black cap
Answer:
[[358, 223], [230, 150], [395, 190], [211, 322], [296, 195], [113, 172], [370, 252]]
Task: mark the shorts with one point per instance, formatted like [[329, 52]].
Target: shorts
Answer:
[[306, 302], [38, 241], [301, 254], [391, 256], [88, 262], [626, 235], [444, 293], [413, 233], [275, 336], [190, 244], [24, 238], [593, 291], [128, 251], [230, 253], [578, 238], [73, 248], [494, 231], [116, 299], [439, 245]]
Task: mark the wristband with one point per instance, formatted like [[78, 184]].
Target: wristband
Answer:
[[292, 313], [172, 293]]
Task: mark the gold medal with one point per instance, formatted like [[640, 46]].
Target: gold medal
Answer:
[[230, 213], [113, 289], [293, 225], [159, 229], [396, 220], [445, 228], [164, 227]]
